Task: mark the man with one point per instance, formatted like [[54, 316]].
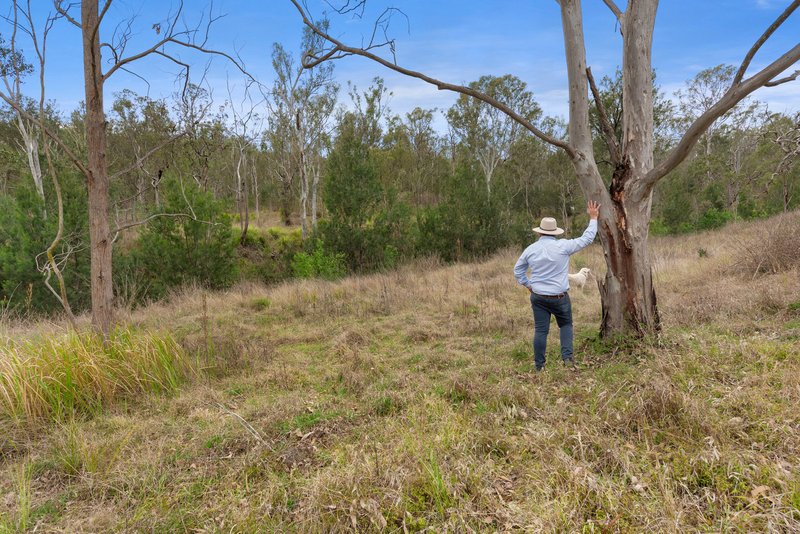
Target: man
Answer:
[[548, 260]]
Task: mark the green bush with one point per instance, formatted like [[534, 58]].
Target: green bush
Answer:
[[714, 218], [367, 224], [26, 233], [468, 223], [657, 227], [173, 251], [318, 264], [266, 256]]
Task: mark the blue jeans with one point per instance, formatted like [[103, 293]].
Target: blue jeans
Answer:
[[543, 308]]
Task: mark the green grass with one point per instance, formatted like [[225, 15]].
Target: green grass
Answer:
[[73, 374]]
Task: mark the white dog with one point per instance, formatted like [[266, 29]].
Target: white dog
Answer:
[[579, 279]]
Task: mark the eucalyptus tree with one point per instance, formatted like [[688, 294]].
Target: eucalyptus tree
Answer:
[[784, 131], [170, 35], [485, 130], [243, 132], [302, 102], [415, 155], [743, 161], [627, 293], [137, 125], [13, 68], [701, 93]]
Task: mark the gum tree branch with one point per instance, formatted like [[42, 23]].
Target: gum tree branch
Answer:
[[341, 50], [140, 160], [761, 40], [732, 97], [605, 125], [64, 12], [614, 9], [783, 80]]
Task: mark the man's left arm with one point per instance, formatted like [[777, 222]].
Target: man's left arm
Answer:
[[571, 246], [574, 245]]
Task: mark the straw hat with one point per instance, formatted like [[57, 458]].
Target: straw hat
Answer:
[[548, 227]]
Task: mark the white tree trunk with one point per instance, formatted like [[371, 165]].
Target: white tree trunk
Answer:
[[303, 193], [31, 143], [255, 189], [315, 172]]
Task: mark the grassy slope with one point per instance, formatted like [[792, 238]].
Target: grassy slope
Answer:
[[406, 401]]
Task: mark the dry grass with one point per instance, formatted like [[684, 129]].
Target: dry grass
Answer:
[[405, 401], [72, 374]]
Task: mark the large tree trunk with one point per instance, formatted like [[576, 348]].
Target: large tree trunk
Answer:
[[627, 294], [628, 297], [99, 229]]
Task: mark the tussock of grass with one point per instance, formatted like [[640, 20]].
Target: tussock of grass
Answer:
[[77, 373], [775, 249]]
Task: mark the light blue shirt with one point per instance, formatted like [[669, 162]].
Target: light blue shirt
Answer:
[[548, 260]]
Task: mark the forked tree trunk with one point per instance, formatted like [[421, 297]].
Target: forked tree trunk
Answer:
[[628, 296], [99, 229]]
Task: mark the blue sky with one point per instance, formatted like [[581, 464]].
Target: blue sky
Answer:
[[457, 41]]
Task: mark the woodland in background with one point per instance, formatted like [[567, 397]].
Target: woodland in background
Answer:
[[310, 182]]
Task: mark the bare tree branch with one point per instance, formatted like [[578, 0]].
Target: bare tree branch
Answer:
[[140, 160], [170, 34], [761, 40], [64, 11], [605, 125], [614, 9], [783, 80], [344, 50], [103, 13], [121, 228], [357, 7], [734, 95], [183, 38]]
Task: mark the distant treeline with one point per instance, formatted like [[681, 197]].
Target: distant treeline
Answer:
[[349, 191]]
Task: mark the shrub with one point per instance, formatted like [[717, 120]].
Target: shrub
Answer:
[[714, 218], [318, 263], [266, 256], [658, 227], [366, 223], [26, 233], [78, 373], [469, 222], [174, 251], [775, 249]]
